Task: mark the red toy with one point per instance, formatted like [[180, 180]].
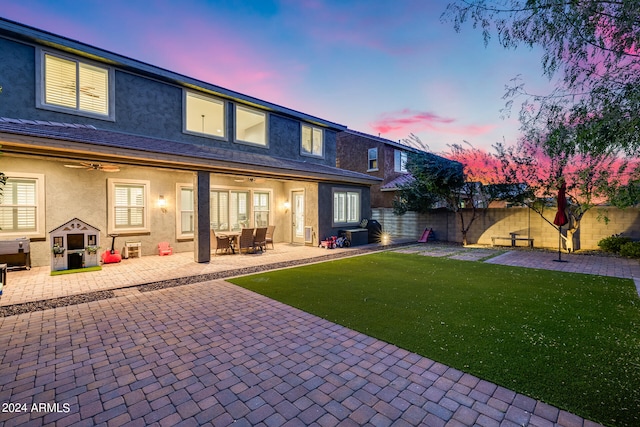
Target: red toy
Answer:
[[111, 256], [329, 243]]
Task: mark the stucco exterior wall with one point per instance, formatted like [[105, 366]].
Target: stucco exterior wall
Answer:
[[82, 194], [501, 222], [143, 106]]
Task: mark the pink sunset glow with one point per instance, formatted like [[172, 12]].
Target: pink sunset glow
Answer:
[[370, 66], [407, 121]]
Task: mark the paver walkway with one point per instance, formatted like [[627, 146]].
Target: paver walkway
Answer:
[[213, 353]]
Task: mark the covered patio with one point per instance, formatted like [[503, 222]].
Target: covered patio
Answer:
[[37, 284]]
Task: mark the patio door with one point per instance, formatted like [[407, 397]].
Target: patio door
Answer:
[[297, 216]]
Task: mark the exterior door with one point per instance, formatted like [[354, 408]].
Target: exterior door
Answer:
[[297, 216]]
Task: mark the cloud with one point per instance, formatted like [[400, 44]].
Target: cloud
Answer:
[[404, 122]]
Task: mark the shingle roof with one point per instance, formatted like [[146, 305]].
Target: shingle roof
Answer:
[[397, 182], [170, 153]]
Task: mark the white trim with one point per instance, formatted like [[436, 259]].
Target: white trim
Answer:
[[40, 206], [235, 126], [358, 208], [111, 226], [41, 86], [312, 128], [185, 94], [178, 211]]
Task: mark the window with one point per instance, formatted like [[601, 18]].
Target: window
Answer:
[[128, 206], [346, 207], [219, 206], [400, 161], [239, 210], [185, 214], [251, 126], [69, 84], [260, 209], [231, 209], [372, 158], [22, 205], [204, 115], [312, 141]]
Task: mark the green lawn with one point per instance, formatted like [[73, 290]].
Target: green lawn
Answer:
[[571, 340]]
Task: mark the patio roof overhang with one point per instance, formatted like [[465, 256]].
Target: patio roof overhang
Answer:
[[86, 143]]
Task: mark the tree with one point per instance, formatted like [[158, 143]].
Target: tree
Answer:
[[592, 180], [440, 182], [594, 45]]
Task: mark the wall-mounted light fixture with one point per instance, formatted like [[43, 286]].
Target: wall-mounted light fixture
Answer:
[[286, 205], [162, 204]]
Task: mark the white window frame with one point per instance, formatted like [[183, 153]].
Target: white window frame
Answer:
[[185, 102], [346, 206], [42, 86], [372, 156], [256, 209], [400, 161], [111, 227], [180, 233], [239, 139], [39, 231], [315, 133]]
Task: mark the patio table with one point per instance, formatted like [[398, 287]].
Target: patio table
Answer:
[[233, 239]]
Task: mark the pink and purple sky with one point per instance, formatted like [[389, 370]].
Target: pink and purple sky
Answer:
[[387, 67]]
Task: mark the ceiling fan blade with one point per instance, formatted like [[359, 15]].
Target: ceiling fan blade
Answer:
[[110, 168], [75, 166]]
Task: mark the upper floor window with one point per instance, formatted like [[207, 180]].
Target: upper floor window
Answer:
[[372, 159], [400, 161], [312, 141], [22, 206], [251, 126], [204, 115], [73, 85]]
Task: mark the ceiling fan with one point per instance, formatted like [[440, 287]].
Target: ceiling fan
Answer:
[[104, 167]]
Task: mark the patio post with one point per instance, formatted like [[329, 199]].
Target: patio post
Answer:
[[202, 232]]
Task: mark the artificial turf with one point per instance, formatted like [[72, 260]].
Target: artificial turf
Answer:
[[571, 340]]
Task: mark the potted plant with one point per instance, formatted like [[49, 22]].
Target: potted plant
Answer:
[[57, 250], [92, 249]]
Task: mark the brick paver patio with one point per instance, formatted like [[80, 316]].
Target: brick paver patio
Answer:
[[213, 353]]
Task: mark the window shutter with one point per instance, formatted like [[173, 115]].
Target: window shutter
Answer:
[[93, 93], [317, 142], [60, 81]]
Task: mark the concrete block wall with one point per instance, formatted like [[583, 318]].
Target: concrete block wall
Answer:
[[596, 224]]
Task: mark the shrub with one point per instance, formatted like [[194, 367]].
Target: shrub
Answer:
[[613, 243], [630, 249]]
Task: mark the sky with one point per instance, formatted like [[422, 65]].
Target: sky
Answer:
[[389, 68]]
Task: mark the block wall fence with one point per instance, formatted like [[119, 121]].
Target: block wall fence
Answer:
[[502, 221]]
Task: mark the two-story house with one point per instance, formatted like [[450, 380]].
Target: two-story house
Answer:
[[378, 157], [153, 155]]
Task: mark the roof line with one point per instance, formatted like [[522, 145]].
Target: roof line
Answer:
[[36, 35]]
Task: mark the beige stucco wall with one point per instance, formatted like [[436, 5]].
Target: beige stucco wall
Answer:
[[82, 194], [501, 222]]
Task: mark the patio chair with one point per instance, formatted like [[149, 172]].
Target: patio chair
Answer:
[[269, 237], [164, 249], [246, 240], [219, 242], [260, 239]]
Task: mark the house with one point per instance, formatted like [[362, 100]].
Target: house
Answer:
[[378, 157], [153, 156]]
